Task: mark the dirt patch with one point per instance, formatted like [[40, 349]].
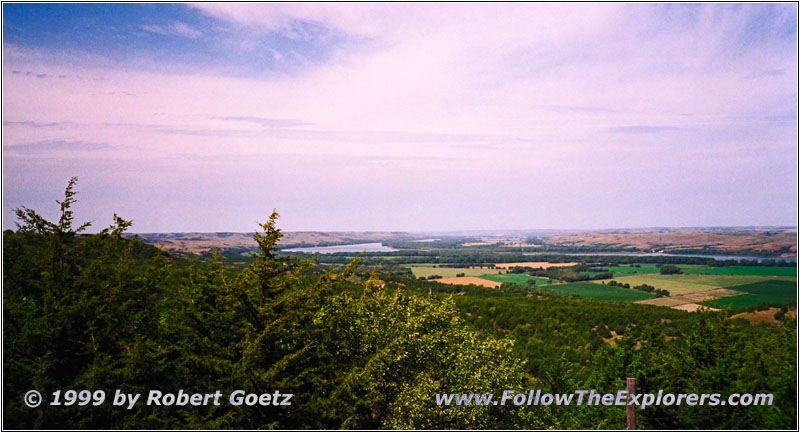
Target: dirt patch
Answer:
[[710, 294], [663, 302], [612, 340], [689, 302], [692, 307], [544, 265], [767, 316], [468, 280]]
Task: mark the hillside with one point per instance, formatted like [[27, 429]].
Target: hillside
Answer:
[[199, 243], [779, 243]]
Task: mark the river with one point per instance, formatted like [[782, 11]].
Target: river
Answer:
[[352, 248]]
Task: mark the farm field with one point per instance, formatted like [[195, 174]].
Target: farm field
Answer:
[[428, 270], [544, 265], [624, 270], [521, 279], [718, 280], [682, 284], [645, 268], [672, 283], [761, 292], [692, 307], [468, 280], [669, 301], [743, 270], [691, 301], [627, 270], [600, 292]]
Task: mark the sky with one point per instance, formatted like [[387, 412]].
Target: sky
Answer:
[[403, 117]]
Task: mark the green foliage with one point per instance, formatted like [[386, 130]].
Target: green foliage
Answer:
[[354, 360], [545, 328], [669, 270], [620, 271], [679, 352], [77, 312], [781, 314], [103, 312], [660, 293], [715, 356]]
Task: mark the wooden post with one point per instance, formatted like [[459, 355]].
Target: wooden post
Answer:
[[631, 409]]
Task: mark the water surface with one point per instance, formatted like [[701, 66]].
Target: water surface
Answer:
[[352, 248]]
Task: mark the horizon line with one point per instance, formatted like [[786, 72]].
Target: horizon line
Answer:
[[711, 228]]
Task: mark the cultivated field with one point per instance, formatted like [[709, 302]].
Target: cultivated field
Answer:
[[468, 280], [521, 279], [761, 292], [734, 287], [600, 292], [717, 280], [428, 270], [674, 285], [692, 307], [742, 270], [681, 284], [624, 270], [690, 301], [544, 265], [664, 302]]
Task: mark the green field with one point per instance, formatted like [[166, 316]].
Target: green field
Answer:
[[783, 290], [600, 292], [428, 270], [741, 301], [744, 270], [521, 279], [719, 280], [761, 292], [624, 270], [673, 283], [681, 284], [627, 270], [644, 268]]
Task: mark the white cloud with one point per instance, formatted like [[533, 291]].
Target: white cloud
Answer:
[[177, 28]]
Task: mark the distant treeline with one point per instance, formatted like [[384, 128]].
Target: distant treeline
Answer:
[[467, 258], [439, 243], [616, 249]]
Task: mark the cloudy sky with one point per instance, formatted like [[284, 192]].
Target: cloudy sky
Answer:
[[414, 117]]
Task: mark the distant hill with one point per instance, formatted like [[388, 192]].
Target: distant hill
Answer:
[[199, 243], [745, 241]]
